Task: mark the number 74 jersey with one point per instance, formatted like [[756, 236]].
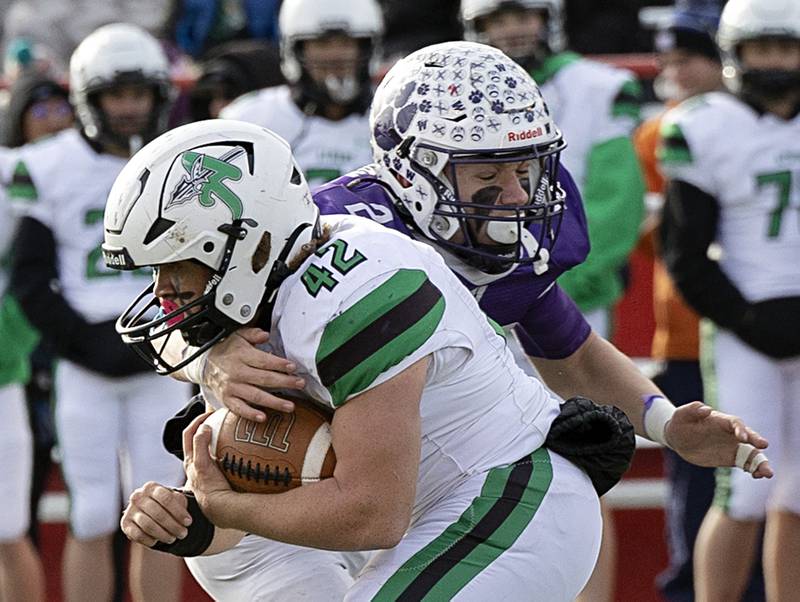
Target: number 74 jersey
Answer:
[[63, 183], [750, 163]]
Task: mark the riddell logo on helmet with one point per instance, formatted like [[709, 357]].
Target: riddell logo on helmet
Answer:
[[524, 135]]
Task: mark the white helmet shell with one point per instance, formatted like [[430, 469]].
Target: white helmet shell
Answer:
[[309, 19], [474, 10], [743, 20], [104, 57], [455, 97], [225, 193]]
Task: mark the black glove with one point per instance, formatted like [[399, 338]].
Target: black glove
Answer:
[[599, 439], [172, 437], [772, 327]]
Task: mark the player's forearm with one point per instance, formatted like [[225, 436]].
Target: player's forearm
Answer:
[[598, 370], [323, 515], [175, 351], [224, 539]]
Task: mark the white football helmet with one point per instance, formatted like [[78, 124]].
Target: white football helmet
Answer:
[[302, 20], [114, 55], [225, 193], [457, 103], [472, 11], [743, 20]]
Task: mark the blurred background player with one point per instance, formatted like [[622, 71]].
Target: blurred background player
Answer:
[[733, 161], [37, 107], [21, 571], [597, 107], [689, 65], [328, 55], [108, 414]]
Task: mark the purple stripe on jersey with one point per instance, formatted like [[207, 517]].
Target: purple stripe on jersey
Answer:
[[550, 324]]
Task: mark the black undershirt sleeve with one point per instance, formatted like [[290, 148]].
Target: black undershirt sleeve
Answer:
[[34, 282], [688, 227]]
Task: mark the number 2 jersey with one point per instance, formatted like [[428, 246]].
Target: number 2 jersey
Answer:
[[548, 322], [370, 303], [750, 164], [63, 184]]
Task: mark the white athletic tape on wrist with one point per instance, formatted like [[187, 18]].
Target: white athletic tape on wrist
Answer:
[[743, 451], [195, 369], [657, 412]]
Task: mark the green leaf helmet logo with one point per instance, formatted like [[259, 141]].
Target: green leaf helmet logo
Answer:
[[205, 178]]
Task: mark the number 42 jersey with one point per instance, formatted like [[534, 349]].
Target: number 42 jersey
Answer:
[[750, 163], [370, 303], [63, 183]]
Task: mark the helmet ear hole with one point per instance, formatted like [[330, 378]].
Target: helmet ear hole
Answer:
[[261, 255], [208, 247]]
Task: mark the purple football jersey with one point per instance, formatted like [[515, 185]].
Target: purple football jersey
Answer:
[[549, 323]]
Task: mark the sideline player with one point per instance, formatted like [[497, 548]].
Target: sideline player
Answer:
[[734, 165], [107, 411], [328, 56], [21, 570], [690, 64], [384, 334]]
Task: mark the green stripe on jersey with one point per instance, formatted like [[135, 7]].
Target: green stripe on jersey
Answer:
[[21, 186], [497, 328], [484, 531], [628, 101], [378, 332], [673, 147], [708, 339]]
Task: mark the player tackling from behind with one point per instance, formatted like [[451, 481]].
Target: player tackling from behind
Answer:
[[734, 164]]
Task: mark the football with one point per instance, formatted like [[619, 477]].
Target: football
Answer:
[[285, 451]]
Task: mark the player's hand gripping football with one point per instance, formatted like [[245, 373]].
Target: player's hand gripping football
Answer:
[[706, 437], [155, 513], [203, 476], [240, 375]]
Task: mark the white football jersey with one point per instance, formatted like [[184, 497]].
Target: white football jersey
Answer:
[[370, 303], [750, 163], [324, 149], [584, 99], [63, 183]]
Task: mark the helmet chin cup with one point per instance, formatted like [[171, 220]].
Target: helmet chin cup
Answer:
[[503, 233], [542, 263]]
